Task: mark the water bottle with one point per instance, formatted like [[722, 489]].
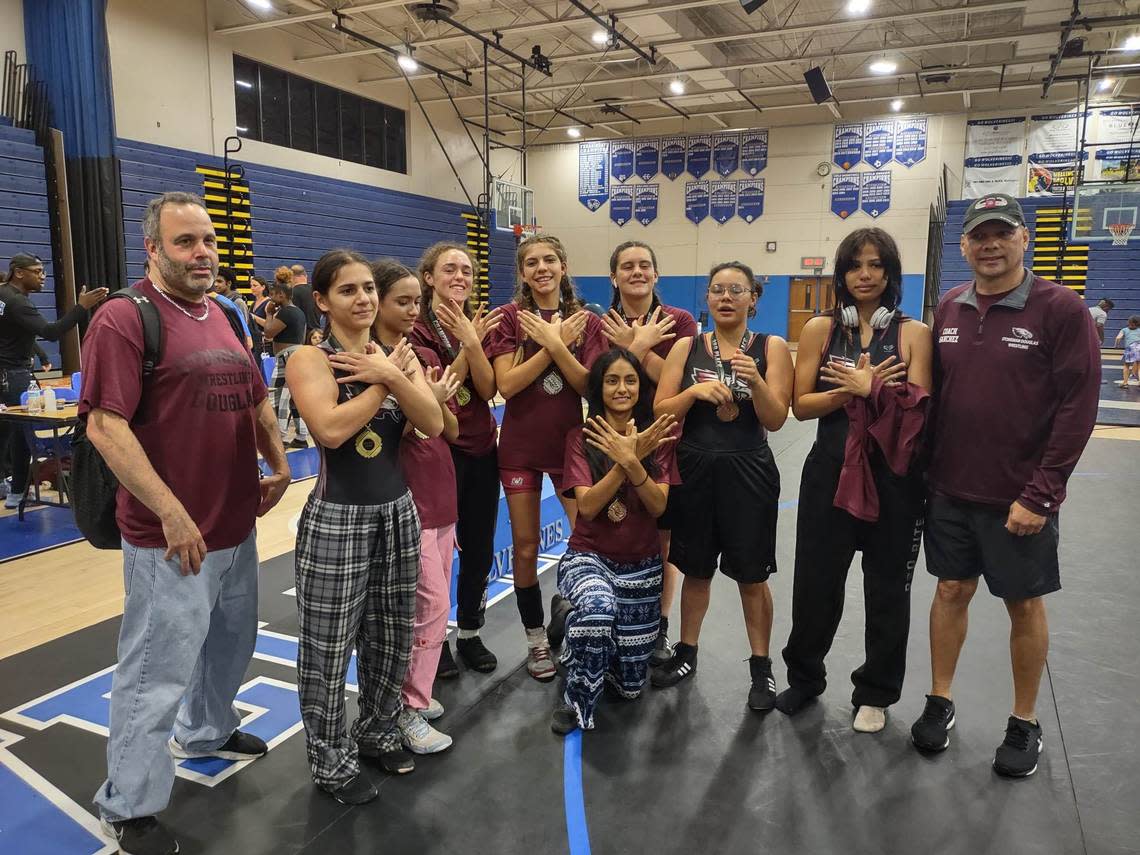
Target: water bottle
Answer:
[[49, 400], [35, 399]]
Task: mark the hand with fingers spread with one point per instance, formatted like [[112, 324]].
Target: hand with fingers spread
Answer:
[[88, 299], [485, 323], [854, 381], [891, 371], [711, 391], [574, 326], [469, 331], [374, 366], [444, 384], [653, 330], [546, 334], [656, 435], [621, 448], [617, 329]]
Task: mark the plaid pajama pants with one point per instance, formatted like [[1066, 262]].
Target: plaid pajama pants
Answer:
[[357, 568], [612, 630], [283, 399]]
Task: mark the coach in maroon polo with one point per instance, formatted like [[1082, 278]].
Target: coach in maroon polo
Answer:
[[1016, 380]]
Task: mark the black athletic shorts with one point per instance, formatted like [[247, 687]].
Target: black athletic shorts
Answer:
[[725, 508], [966, 539]]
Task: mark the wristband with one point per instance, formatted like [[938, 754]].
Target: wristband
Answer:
[[642, 481]]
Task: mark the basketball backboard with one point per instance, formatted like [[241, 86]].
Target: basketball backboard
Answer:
[[1098, 207]]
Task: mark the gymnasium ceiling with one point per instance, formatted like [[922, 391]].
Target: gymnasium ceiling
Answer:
[[951, 57]]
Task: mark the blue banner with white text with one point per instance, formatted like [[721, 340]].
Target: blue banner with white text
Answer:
[[593, 174], [726, 154], [621, 204], [876, 193], [754, 151], [750, 199], [673, 157], [698, 156], [696, 201], [647, 158], [845, 194], [621, 160], [645, 198]]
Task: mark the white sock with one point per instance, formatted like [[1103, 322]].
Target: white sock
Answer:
[[536, 636]]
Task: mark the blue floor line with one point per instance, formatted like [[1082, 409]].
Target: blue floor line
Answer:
[[577, 833]]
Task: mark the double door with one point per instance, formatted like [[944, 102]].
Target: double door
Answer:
[[810, 296]]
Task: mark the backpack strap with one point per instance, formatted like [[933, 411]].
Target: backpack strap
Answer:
[[234, 321], [151, 324]]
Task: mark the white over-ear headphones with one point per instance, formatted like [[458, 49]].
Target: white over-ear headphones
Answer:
[[880, 320]]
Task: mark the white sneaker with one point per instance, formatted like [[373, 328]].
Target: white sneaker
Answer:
[[12, 501], [870, 719], [434, 710], [419, 736]]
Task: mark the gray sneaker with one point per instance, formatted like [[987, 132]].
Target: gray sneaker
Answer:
[[419, 736], [539, 663]]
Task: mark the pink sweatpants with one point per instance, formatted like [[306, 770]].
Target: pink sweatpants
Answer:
[[433, 602]]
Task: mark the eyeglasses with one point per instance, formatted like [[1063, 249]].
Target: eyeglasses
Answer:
[[734, 290]]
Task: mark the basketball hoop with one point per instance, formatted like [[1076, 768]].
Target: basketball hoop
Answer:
[[523, 231], [1121, 232]]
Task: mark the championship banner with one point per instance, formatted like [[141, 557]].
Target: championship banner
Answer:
[[1053, 155], [845, 195], [696, 201], [847, 149], [621, 160], [673, 157], [645, 198], [621, 205], [754, 151], [878, 143], [995, 153], [647, 158], [1118, 125], [876, 190], [593, 174], [1118, 164], [698, 158], [910, 141], [722, 201], [750, 199], [726, 154]]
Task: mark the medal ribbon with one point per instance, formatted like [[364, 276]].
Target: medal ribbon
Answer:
[[731, 378]]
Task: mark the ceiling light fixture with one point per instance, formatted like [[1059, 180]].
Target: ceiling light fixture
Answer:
[[407, 63], [573, 132], [897, 104], [600, 37], [242, 130], [261, 4], [677, 87], [1106, 83], [1132, 43], [858, 7], [244, 84], [883, 66]]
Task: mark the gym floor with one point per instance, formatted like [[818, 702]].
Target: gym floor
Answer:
[[680, 770]]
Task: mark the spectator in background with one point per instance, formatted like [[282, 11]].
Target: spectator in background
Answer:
[[225, 283], [20, 324], [1130, 336], [237, 313], [303, 298], [285, 328], [1099, 314], [260, 290]]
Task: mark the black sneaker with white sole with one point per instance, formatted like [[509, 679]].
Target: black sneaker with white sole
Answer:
[[681, 664], [932, 730], [240, 746], [661, 650], [355, 791], [142, 836], [762, 694], [1017, 756]]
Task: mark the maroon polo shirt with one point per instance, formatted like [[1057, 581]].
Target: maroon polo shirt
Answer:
[[1016, 389], [634, 538], [477, 428], [428, 468]]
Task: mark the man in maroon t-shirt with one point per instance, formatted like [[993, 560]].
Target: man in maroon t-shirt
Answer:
[[183, 444], [1016, 372]]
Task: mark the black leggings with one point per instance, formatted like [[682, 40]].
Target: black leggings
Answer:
[[15, 456], [477, 494], [826, 541]]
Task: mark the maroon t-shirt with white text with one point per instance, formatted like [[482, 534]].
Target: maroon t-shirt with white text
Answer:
[[428, 468], [195, 422], [535, 423], [633, 539], [477, 428]]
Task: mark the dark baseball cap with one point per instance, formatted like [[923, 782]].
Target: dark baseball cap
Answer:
[[995, 206], [21, 260]]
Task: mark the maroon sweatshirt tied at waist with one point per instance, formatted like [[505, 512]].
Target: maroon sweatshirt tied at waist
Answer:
[[1016, 393]]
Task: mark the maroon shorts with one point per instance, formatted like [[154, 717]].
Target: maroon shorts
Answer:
[[527, 480]]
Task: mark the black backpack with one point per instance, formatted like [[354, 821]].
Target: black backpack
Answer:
[[92, 485]]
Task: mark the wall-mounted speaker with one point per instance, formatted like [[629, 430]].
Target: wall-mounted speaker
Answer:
[[820, 91], [751, 6]]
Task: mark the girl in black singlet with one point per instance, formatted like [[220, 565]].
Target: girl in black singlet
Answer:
[[731, 387], [838, 358], [358, 539]]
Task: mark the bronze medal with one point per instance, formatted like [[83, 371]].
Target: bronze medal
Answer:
[[463, 396], [368, 443], [728, 412], [617, 511], [552, 383]]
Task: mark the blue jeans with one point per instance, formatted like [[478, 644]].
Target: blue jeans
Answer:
[[184, 646]]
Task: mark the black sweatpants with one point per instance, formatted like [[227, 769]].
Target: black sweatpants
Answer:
[[477, 495], [15, 456], [826, 541]]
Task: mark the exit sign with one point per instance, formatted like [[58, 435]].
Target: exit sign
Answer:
[[811, 262]]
